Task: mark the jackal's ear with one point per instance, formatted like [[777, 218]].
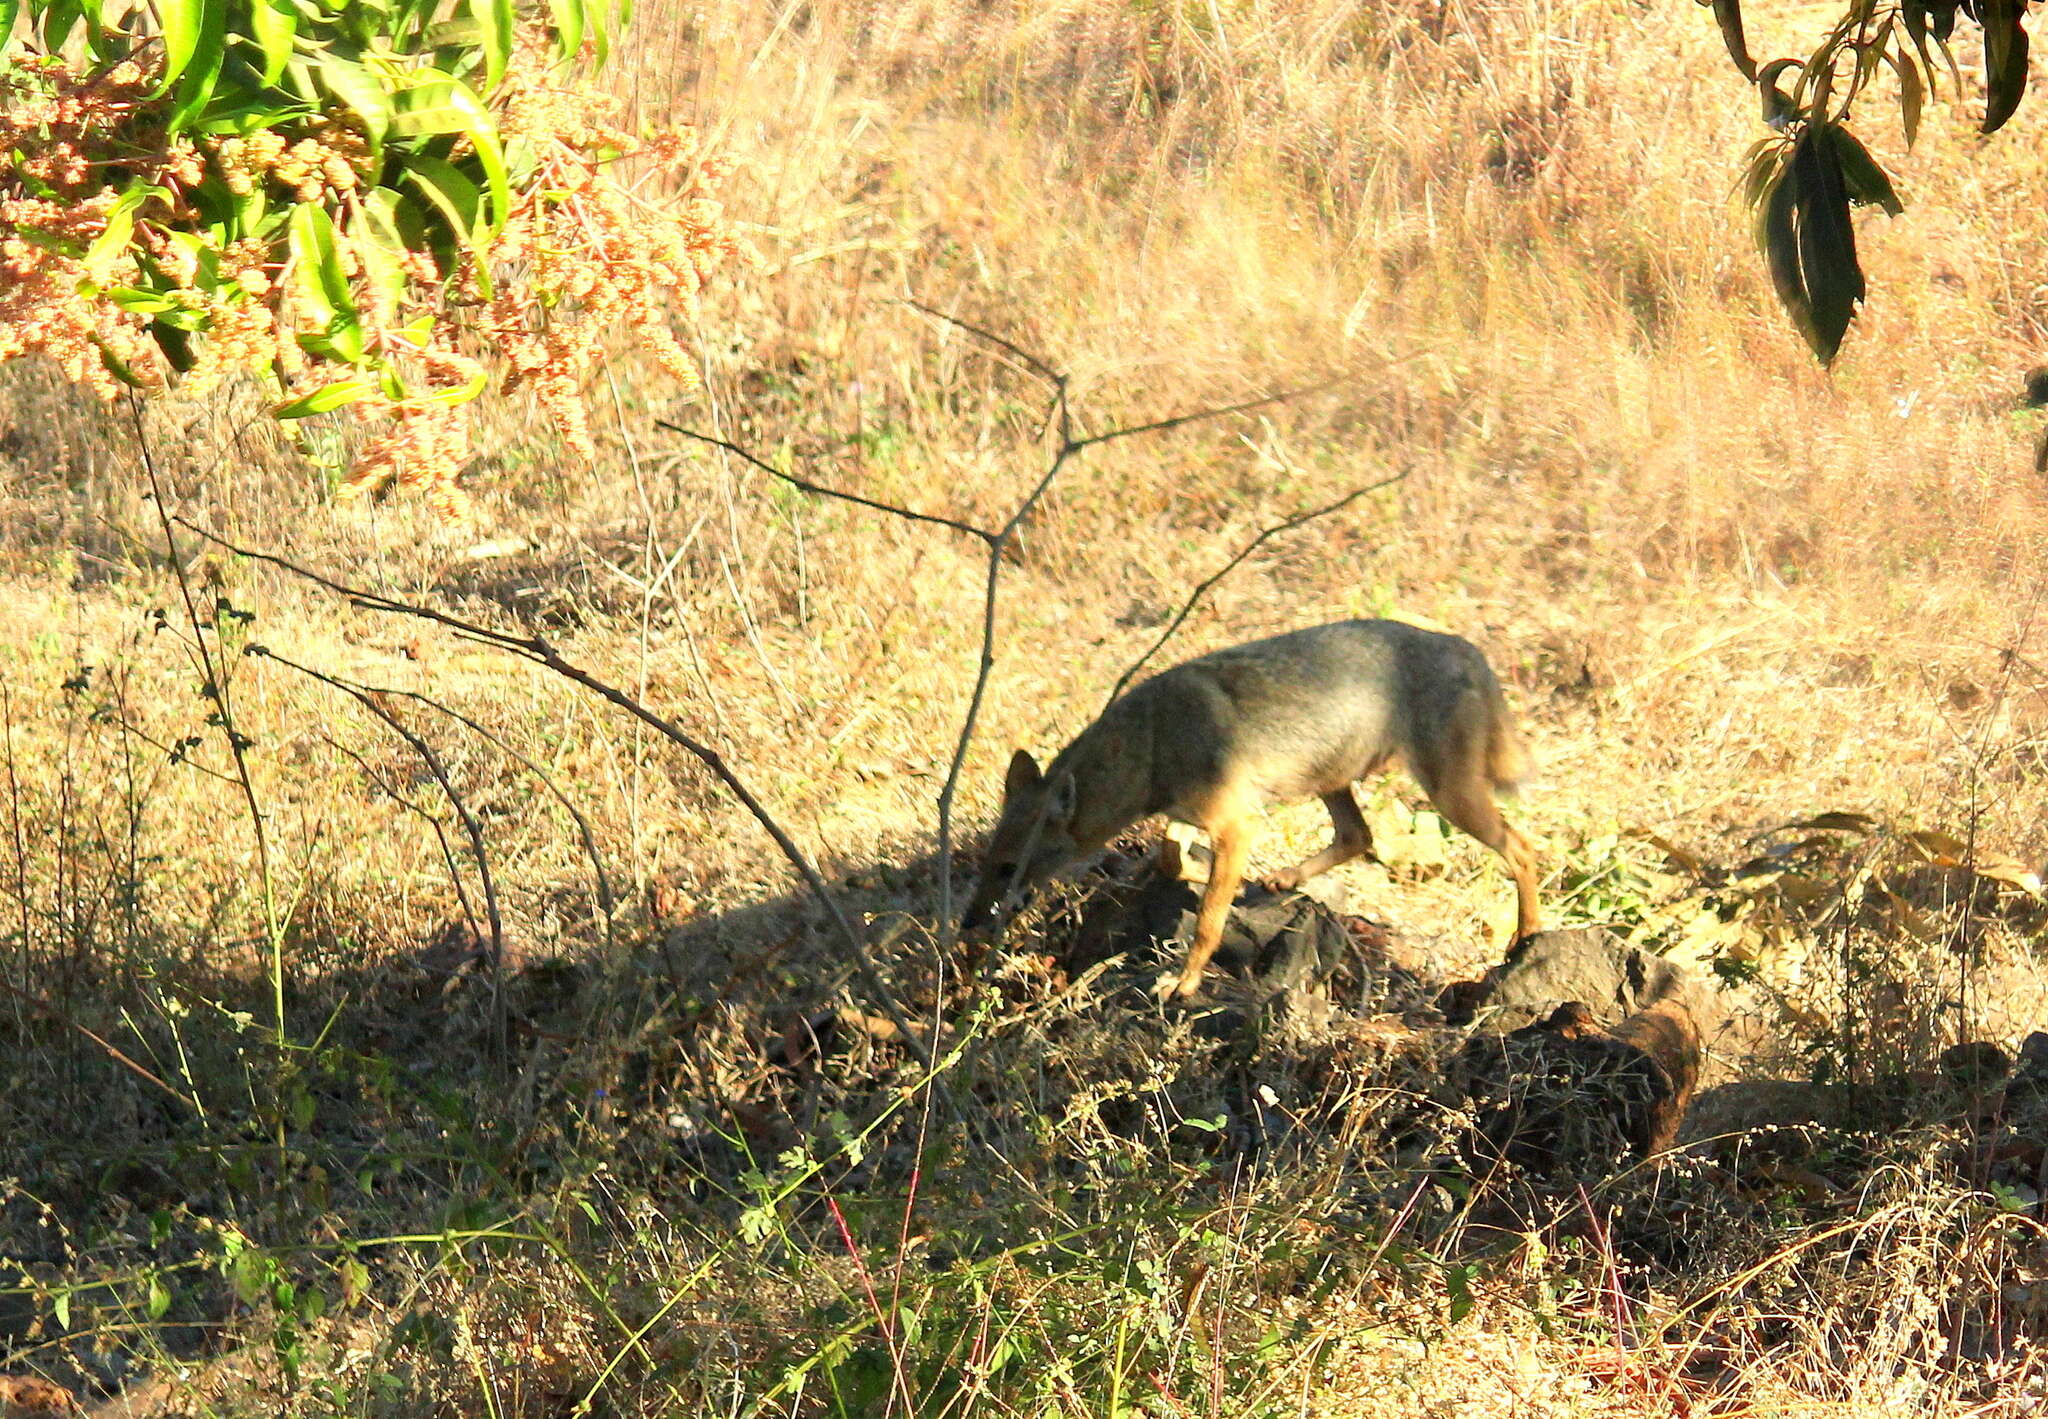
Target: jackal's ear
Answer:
[[1061, 800], [1023, 773]]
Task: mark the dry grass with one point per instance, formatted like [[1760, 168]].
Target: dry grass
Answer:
[[1726, 591]]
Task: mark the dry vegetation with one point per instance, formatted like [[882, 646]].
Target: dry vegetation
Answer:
[[649, 1167]]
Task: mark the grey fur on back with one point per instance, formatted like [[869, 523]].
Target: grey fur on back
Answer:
[[1306, 713]]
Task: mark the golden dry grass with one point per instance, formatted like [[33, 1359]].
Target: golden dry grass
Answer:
[[1726, 591]]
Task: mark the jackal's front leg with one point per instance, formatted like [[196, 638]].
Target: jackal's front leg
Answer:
[[1230, 845]]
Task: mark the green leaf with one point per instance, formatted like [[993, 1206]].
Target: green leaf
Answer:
[[118, 367], [323, 286], [180, 22], [10, 10], [379, 243], [1766, 157], [247, 1273], [315, 264], [1867, 183], [325, 399], [355, 1281], [202, 69], [113, 240], [57, 21], [496, 20], [1777, 235], [60, 1306], [248, 115], [2005, 60], [444, 104], [461, 393], [274, 23], [138, 301], [457, 198], [445, 33], [1777, 105], [357, 88], [568, 25], [1729, 15], [159, 1299]]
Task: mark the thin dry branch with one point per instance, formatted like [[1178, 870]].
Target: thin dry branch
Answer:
[[471, 828], [1059, 409], [1209, 582], [818, 488], [538, 650]]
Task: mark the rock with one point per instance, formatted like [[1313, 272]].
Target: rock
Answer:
[[1286, 942], [1975, 1064], [1587, 965]]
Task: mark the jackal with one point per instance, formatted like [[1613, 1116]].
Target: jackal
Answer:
[[1301, 715]]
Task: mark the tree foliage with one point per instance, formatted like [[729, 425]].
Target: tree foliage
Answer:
[[339, 197], [1802, 181]]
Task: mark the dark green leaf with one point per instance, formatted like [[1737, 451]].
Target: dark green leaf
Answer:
[[1911, 94], [1778, 106], [274, 23], [1777, 235], [1827, 241], [175, 343], [452, 193], [1729, 14], [1766, 157], [2005, 60], [1867, 184], [10, 10]]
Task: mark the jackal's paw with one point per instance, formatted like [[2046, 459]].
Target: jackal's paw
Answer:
[[1285, 881], [1176, 987]]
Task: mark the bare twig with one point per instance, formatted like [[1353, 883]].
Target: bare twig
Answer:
[[1208, 583], [471, 828], [113, 1052], [818, 488], [607, 902], [541, 652], [216, 688], [1059, 412]]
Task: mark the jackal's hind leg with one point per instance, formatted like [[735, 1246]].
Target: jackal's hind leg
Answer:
[[1353, 839]]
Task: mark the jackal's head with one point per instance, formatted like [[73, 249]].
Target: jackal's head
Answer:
[[1033, 839]]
